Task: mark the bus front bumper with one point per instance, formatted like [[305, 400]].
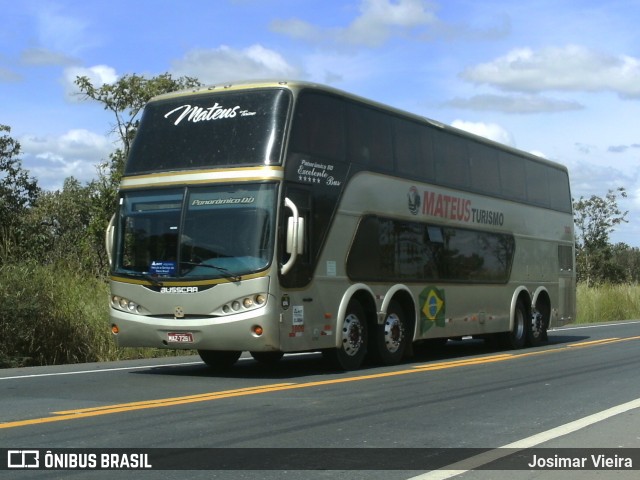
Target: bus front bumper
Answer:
[[248, 331]]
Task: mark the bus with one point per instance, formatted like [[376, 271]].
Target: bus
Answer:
[[284, 216]]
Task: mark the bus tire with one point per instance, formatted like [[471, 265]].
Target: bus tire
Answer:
[[267, 358], [389, 340], [354, 338], [218, 359], [538, 331], [517, 337]]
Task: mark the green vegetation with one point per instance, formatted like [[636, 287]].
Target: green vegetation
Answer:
[[53, 266], [51, 314], [607, 302]]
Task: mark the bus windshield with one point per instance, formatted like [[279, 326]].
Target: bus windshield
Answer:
[[222, 231], [230, 129]]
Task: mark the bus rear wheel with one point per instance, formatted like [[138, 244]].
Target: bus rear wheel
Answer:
[[389, 340], [219, 360], [353, 340], [539, 325], [517, 337]]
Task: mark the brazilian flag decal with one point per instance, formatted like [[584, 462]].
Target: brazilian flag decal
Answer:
[[432, 311]]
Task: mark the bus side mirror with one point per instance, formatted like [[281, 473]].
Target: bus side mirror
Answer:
[[295, 236], [108, 240]]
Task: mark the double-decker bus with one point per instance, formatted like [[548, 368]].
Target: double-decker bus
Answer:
[[277, 217]]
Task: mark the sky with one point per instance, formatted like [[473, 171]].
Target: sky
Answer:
[[558, 78]]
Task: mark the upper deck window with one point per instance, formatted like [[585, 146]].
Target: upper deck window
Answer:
[[224, 129]]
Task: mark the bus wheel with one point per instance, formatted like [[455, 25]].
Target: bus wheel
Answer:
[[517, 337], [268, 358], [351, 352], [390, 339], [217, 359], [538, 332]]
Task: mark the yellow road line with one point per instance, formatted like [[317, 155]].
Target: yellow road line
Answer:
[[593, 342], [279, 387], [171, 401]]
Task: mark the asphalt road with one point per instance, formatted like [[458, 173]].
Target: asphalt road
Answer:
[[582, 389]]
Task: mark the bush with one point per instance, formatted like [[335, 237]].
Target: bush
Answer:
[[52, 315], [55, 314]]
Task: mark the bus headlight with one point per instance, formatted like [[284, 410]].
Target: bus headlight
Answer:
[[243, 304], [126, 305]]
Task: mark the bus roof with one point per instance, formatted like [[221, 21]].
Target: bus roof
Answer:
[[298, 85]]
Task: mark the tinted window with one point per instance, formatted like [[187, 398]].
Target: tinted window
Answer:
[[559, 193], [210, 130], [392, 250], [512, 177], [319, 128], [370, 138], [414, 149], [485, 174], [537, 183], [452, 160]]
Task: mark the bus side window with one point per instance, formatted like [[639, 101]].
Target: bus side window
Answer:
[[413, 148], [370, 141], [318, 129], [452, 160]]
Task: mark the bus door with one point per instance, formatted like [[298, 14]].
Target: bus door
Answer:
[[295, 302]]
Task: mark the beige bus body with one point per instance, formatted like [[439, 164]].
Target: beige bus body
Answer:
[[259, 312]]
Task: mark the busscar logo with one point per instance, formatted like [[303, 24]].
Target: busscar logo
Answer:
[[23, 459], [179, 290]]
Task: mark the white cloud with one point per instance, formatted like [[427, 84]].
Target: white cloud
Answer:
[[98, 74], [75, 153], [9, 76], [42, 56], [60, 31], [514, 104], [225, 63], [491, 131], [378, 21], [569, 68]]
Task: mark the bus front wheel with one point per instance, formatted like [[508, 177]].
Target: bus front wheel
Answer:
[[219, 360], [354, 336], [268, 358]]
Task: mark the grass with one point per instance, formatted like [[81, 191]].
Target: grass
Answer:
[[607, 302], [53, 314]]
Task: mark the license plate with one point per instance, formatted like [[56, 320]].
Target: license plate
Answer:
[[180, 337]]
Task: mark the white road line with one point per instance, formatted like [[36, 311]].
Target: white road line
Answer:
[[476, 461], [141, 367], [562, 329], [100, 370]]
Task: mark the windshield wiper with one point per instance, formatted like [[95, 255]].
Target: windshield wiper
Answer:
[[235, 278], [154, 280]]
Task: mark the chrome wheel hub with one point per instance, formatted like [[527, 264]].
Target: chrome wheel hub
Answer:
[[352, 335]]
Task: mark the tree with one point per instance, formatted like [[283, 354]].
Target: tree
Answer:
[[627, 259], [18, 191], [64, 217], [595, 218]]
